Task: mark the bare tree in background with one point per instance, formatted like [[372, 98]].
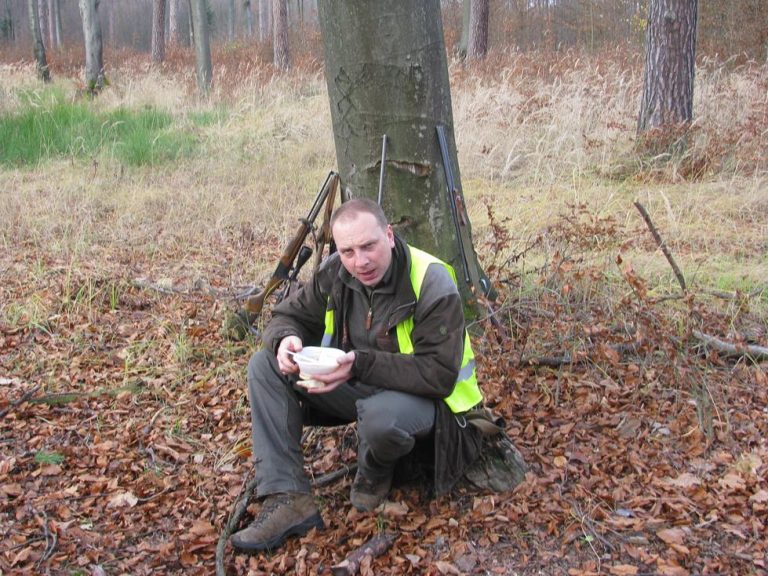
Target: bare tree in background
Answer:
[[37, 40], [201, 37], [6, 24], [231, 17], [94, 62], [54, 23], [477, 46], [282, 58], [158, 31], [670, 56], [248, 8], [265, 19], [174, 37], [42, 13]]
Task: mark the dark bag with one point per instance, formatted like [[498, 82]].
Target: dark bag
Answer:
[[500, 466]]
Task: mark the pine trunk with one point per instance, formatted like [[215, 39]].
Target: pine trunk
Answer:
[[158, 31], [670, 57], [478, 29], [282, 58], [202, 46]]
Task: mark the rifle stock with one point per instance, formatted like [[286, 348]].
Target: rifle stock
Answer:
[[255, 303]]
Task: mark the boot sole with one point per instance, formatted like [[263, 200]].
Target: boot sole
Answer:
[[300, 529]]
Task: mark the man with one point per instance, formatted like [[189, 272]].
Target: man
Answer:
[[408, 373]]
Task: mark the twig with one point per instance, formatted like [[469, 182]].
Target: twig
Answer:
[[662, 245], [376, 546], [26, 396], [238, 511], [331, 477], [756, 353]]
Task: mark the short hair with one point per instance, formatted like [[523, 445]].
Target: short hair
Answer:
[[355, 206]]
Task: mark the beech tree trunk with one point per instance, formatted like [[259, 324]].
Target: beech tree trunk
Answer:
[[202, 46], [42, 13], [94, 63], [282, 58], [670, 57], [158, 31], [478, 29], [37, 42], [387, 73]]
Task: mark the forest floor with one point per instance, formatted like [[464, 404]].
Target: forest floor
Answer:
[[124, 421]]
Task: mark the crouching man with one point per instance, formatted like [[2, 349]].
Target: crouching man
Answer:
[[408, 374]]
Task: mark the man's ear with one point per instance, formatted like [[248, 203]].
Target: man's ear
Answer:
[[390, 236]]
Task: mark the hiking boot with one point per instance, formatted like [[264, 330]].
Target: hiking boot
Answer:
[[366, 494], [281, 516]]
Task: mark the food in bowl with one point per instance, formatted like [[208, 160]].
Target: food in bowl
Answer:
[[314, 360]]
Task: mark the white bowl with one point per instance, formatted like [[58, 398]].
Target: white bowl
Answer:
[[314, 360]]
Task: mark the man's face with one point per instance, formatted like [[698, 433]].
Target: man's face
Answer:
[[364, 246]]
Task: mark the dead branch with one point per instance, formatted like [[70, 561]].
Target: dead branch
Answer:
[[557, 361], [26, 396], [376, 546], [331, 477], [756, 353], [238, 511], [661, 244]]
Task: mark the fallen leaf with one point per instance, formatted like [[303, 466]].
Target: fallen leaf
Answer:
[[447, 568], [685, 480], [672, 535], [124, 499], [623, 570]]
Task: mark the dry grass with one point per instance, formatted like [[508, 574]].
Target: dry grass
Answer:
[[535, 136]]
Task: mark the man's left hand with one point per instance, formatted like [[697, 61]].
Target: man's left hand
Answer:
[[336, 378]]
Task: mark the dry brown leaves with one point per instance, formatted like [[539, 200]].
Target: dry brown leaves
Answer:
[[649, 462]]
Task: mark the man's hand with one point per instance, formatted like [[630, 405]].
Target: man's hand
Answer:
[[336, 378], [284, 359]]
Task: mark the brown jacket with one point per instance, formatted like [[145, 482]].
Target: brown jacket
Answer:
[[438, 339]]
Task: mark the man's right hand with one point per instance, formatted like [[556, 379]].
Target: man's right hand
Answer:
[[284, 359]]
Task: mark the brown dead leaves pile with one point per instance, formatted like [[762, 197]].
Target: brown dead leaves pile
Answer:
[[124, 440]]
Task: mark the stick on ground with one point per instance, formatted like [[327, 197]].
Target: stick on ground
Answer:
[[662, 245], [376, 546]]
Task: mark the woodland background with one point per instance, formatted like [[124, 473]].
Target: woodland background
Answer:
[[129, 221]]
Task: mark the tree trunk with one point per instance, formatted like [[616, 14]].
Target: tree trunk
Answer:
[[231, 16], [478, 29], [265, 23], [94, 64], [387, 73], [466, 11], [202, 46], [55, 16], [247, 6], [7, 29], [173, 23], [670, 56], [158, 31], [42, 12], [37, 42], [282, 58]]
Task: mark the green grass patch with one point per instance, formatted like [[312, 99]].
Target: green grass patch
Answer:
[[48, 126], [46, 458]]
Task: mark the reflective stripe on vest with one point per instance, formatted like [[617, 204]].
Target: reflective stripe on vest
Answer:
[[466, 393]]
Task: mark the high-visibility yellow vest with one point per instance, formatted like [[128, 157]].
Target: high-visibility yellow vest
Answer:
[[466, 393]]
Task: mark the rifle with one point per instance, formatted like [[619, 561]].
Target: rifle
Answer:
[[296, 253], [458, 213]]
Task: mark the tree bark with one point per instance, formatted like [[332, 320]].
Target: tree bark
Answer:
[[37, 42], [7, 28], [202, 46], [670, 56], [265, 19], [94, 64], [282, 58], [231, 17], [174, 37], [42, 13], [248, 7], [158, 31], [387, 73], [55, 15], [466, 11], [478, 29]]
